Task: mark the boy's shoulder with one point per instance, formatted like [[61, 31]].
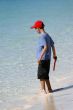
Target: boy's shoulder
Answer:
[[45, 35]]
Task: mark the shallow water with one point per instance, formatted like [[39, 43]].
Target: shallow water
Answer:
[[18, 70]]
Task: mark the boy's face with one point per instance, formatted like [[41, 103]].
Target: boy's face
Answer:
[[38, 30]]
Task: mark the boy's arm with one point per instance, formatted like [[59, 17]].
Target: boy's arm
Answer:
[[54, 56], [54, 52], [42, 53]]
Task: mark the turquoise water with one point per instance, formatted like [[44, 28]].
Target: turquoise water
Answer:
[[18, 65]]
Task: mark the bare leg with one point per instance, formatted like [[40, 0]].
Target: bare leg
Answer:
[[42, 82], [48, 85]]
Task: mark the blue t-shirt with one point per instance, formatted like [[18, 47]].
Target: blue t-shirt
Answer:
[[44, 39]]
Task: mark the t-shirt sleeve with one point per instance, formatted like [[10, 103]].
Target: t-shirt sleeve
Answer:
[[43, 41], [51, 42]]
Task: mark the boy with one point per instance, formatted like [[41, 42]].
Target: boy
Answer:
[[44, 55]]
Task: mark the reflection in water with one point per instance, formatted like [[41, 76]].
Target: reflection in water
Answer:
[[48, 102], [38, 102]]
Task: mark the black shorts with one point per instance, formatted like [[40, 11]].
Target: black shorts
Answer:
[[43, 69]]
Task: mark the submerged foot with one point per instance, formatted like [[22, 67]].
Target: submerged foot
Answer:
[[50, 91], [43, 91]]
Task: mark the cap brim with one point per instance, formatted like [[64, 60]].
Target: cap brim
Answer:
[[32, 27]]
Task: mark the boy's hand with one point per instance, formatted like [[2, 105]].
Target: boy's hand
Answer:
[[39, 61], [55, 57]]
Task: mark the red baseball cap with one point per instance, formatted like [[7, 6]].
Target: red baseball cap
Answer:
[[38, 24]]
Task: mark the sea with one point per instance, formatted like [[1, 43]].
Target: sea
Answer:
[[18, 63]]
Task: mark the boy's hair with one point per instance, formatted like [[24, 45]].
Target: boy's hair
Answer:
[[42, 26]]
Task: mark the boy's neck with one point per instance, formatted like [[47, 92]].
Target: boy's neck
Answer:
[[42, 31]]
